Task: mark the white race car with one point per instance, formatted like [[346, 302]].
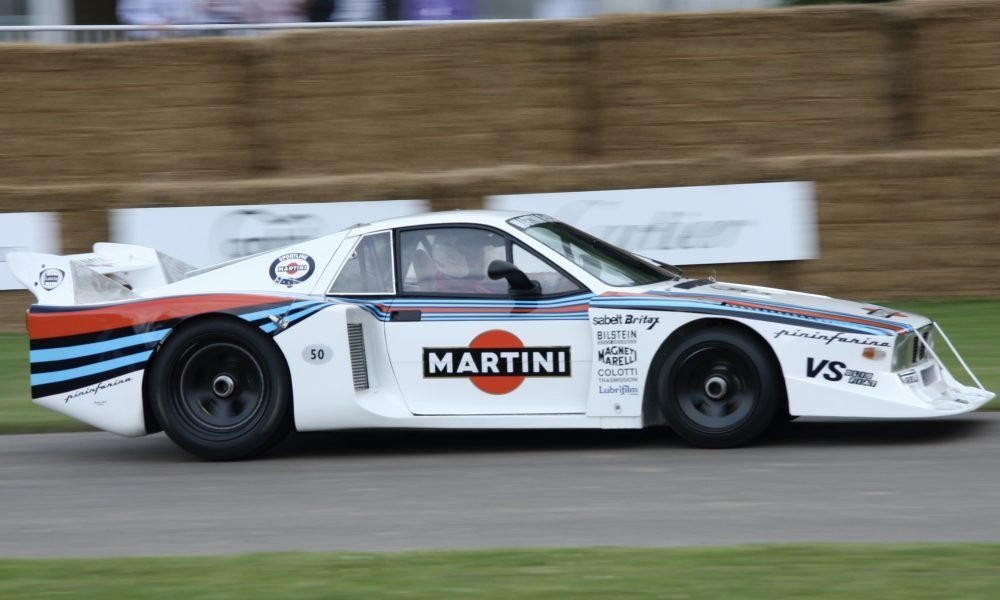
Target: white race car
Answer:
[[465, 319]]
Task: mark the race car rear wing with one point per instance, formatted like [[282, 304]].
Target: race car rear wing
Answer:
[[111, 272]]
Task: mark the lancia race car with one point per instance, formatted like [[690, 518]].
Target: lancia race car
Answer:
[[465, 319]]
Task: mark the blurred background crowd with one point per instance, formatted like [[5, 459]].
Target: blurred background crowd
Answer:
[[167, 12]]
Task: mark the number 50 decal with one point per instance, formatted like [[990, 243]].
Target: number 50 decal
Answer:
[[317, 354]]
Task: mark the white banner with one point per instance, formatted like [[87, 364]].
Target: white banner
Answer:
[[19, 232], [206, 235], [755, 222]]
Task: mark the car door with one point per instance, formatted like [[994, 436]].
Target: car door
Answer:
[[461, 343]]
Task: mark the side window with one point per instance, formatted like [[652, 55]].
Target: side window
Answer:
[[551, 281], [450, 260], [368, 269]]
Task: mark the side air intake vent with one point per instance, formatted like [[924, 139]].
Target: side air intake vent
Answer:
[[359, 364]]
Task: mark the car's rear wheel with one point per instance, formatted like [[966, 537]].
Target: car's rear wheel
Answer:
[[221, 390], [720, 387]]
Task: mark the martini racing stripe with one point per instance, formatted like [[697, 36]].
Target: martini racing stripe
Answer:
[[84, 350], [54, 322], [85, 339], [809, 312], [82, 361], [91, 369], [752, 310], [89, 355], [64, 387], [473, 309], [267, 320]]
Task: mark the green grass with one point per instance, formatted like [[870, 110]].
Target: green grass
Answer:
[[17, 413], [887, 572], [973, 325]]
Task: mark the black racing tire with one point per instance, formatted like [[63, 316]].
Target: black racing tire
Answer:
[[720, 387], [221, 390]]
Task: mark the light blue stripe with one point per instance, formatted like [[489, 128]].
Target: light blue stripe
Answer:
[[495, 317], [643, 304], [887, 322], [269, 327], [68, 352], [261, 314], [57, 376], [471, 303]]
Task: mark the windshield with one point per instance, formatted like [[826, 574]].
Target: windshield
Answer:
[[610, 264]]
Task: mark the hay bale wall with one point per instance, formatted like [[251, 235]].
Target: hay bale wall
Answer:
[[457, 97], [125, 111], [448, 113], [772, 82], [427, 99], [956, 76]]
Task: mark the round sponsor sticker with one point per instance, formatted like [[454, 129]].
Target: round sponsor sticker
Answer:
[[317, 354], [50, 279], [291, 269]]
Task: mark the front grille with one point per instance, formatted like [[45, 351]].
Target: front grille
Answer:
[[920, 349], [359, 364]]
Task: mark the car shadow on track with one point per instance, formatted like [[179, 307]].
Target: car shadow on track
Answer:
[[791, 435]]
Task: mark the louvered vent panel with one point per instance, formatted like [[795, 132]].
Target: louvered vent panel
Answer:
[[359, 364]]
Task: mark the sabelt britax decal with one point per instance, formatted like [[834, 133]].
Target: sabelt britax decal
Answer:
[[497, 362], [626, 319], [291, 269]]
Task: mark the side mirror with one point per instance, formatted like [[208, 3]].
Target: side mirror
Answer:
[[519, 282]]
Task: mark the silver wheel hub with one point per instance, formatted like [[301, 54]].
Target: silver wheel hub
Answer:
[[223, 386], [716, 387]]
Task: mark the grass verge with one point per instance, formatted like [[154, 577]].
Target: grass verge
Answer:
[[973, 325], [888, 572], [17, 413]]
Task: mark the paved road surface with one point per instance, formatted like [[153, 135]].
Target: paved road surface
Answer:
[[95, 494]]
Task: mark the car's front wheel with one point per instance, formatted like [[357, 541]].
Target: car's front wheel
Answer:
[[221, 390], [720, 387]]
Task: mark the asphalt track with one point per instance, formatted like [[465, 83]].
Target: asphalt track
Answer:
[[95, 494]]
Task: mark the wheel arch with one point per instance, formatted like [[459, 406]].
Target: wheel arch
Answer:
[[651, 411], [152, 426]]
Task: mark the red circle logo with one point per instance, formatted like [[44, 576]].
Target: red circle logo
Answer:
[[496, 338]]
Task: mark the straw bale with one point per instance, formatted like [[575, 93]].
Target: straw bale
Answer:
[[122, 111], [13, 303], [424, 99], [760, 83], [955, 75]]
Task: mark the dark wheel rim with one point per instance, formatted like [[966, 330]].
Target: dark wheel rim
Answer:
[[715, 387], [221, 387]]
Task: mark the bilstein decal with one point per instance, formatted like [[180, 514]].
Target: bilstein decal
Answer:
[[291, 269], [617, 336], [497, 362]]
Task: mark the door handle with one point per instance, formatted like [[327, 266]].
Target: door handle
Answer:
[[403, 316]]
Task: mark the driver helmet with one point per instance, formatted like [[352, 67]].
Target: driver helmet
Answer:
[[458, 254]]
